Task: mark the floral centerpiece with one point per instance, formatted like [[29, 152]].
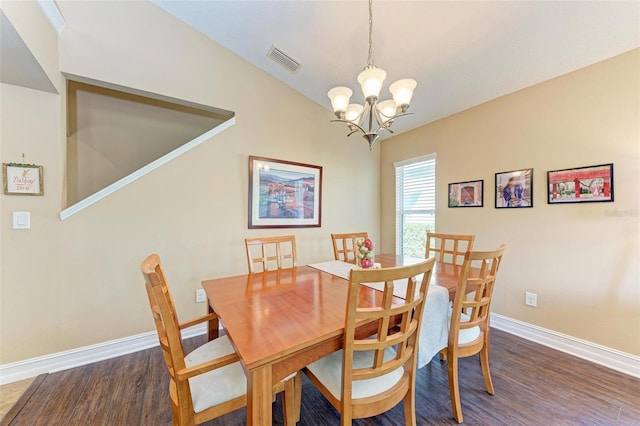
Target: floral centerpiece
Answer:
[[364, 253]]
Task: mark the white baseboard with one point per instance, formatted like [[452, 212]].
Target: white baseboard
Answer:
[[13, 372], [607, 357], [59, 361]]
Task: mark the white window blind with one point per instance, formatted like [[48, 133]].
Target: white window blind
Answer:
[[415, 204]]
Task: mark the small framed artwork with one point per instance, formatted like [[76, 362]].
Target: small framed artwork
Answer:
[[22, 179], [284, 194], [591, 184], [514, 189], [466, 194]]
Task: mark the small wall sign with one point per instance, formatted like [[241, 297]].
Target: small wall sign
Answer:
[[22, 179]]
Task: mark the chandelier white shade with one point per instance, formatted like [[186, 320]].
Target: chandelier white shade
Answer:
[[387, 108], [374, 116], [353, 113], [402, 91], [340, 98], [371, 80]]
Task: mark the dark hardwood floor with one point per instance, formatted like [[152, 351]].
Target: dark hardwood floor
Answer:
[[534, 385]]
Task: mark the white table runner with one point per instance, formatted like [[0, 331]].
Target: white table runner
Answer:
[[335, 267], [435, 327]]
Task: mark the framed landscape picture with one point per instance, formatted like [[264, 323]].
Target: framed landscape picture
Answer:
[[514, 189], [284, 194], [466, 194], [591, 184]]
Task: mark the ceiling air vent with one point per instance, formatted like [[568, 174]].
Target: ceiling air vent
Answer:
[[283, 59]]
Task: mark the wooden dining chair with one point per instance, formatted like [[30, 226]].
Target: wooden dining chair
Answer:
[[469, 331], [344, 246], [209, 381], [448, 248], [371, 376], [269, 250]]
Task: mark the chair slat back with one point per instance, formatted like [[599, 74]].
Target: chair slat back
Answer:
[[448, 248], [269, 251], [164, 314], [480, 288], [344, 246], [405, 338]]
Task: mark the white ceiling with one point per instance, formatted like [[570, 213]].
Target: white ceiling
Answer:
[[462, 53]]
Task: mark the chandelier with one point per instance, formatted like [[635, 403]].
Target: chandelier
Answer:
[[374, 116]]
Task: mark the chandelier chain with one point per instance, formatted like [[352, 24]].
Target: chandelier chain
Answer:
[[370, 57]]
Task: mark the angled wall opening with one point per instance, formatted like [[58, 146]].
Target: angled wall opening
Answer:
[[116, 135]]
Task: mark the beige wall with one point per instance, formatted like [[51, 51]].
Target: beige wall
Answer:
[[71, 283], [582, 260]]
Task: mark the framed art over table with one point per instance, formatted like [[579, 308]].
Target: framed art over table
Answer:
[[284, 194]]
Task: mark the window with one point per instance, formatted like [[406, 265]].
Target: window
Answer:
[[415, 204]]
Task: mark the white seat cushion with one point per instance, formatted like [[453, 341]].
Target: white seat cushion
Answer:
[[220, 385], [217, 386], [328, 371], [468, 334]]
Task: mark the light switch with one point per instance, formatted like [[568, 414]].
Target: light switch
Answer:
[[21, 220]]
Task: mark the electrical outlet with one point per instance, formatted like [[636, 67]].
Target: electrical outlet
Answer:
[[531, 299], [201, 296]]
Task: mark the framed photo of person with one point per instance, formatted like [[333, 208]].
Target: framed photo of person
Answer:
[[514, 189]]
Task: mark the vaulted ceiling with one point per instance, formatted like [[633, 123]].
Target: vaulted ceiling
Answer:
[[462, 53]]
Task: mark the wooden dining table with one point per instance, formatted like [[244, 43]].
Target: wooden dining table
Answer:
[[280, 321]]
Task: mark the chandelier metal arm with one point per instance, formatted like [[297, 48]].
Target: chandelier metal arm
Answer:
[[379, 117], [350, 123], [372, 114], [364, 132], [382, 126]]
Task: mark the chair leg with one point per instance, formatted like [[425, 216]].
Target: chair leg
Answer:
[[486, 372], [443, 354], [345, 418], [297, 381], [291, 400], [454, 390], [410, 407], [175, 418]]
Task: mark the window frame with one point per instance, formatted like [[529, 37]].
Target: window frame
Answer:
[[401, 213]]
